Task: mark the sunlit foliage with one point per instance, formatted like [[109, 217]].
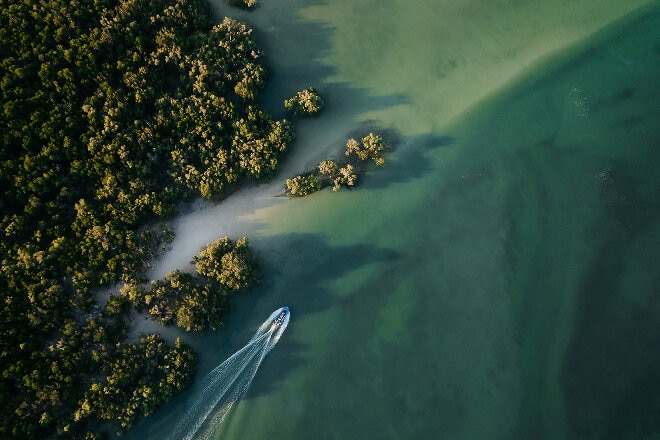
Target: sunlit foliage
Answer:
[[343, 174], [245, 4], [232, 265], [372, 147], [303, 185], [139, 378], [307, 102]]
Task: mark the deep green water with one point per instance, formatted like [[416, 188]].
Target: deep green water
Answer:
[[499, 279]]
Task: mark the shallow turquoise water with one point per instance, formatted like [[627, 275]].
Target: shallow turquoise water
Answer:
[[498, 279]]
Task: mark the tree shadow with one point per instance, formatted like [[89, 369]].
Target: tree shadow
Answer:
[[615, 344], [610, 373], [408, 161], [302, 266]]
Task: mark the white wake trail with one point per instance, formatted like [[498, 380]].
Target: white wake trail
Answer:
[[228, 382]]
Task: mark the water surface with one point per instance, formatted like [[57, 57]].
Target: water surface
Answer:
[[497, 279]]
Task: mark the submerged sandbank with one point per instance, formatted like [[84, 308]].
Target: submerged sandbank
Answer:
[[444, 57]]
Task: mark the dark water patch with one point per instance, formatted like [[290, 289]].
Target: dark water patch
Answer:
[[548, 142], [613, 361], [630, 205], [409, 159], [614, 347], [443, 67], [636, 415], [617, 98], [624, 94], [630, 122]]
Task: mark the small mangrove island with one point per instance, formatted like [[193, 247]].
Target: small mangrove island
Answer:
[[341, 173], [307, 102]]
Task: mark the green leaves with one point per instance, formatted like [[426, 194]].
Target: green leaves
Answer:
[[303, 185], [372, 148], [245, 4], [233, 266], [197, 302], [330, 172], [137, 380], [258, 142], [305, 103], [190, 302]]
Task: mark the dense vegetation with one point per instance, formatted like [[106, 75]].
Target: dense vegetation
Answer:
[[122, 394], [372, 147], [346, 174], [244, 4], [307, 102], [112, 112], [231, 265], [198, 302], [303, 185]]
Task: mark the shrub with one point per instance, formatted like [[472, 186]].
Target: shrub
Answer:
[[372, 147], [246, 4], [347, 176], [305, 103], [303, 185], [328, 167], [233, 266]]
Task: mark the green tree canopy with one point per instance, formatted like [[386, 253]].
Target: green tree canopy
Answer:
[[139, 378], [190, 302], [345, 173], [232, 265], [246, 4], [307, 102], [372, 147], [303, 185]]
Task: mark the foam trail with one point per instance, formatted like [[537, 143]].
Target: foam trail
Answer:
[[228, 382]]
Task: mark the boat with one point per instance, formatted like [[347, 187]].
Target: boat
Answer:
[[280, 318]]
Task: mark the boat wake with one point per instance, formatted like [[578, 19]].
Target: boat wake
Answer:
[[228, 382]]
